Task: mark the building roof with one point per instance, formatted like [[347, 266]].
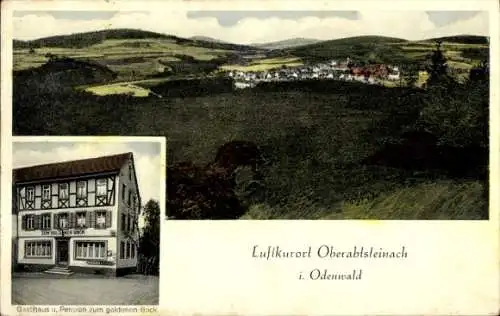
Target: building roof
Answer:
[[72, 168]]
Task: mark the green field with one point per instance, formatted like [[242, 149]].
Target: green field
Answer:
[[119, 88], [131, 59], [265, 64]]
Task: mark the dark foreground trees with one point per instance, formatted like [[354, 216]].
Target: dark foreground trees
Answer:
[[149, 242]]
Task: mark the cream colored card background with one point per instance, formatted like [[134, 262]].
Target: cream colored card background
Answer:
[[207, 267]]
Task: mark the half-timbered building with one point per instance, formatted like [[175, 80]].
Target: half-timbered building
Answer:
[[77, 216]]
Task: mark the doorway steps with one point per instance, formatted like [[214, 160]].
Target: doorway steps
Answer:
[[59, 270]]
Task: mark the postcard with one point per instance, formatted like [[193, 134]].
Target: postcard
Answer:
[[318, 158]]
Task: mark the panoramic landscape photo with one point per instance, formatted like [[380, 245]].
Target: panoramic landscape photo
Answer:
[[275, 114]]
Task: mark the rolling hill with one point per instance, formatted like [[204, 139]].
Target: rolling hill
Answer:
[[136, 55], [133, 54], [370, 48], [86, 39], [461, 39], [207, 39], [289, 43], [462, 51]]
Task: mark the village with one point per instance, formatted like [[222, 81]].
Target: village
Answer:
[[333, 70]]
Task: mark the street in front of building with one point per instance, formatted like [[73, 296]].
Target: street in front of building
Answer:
[[81, 289]]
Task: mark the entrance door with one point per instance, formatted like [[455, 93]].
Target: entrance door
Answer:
[[62, 251]]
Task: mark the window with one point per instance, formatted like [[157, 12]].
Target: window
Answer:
[[63, 191], [101, 219], [127, 254], [123, 227], [90, 250], [46, 192], [30, 194], [124, 191], [30, 222], [81, 189], [102, 187], [122, 250], [130, 226], [80, 219], [42, 248], [130, 172], [127, 250], [63, 220], [46, 218], [129, 200]]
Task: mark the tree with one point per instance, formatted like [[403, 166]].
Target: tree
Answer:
[[480, 72], [438, 68], [410, 73], [458, 116], [149, 241]]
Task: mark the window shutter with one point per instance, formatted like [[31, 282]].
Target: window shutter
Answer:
[[108, 219], [72, 220], [36, 221], [23, 222], [88, 216], [92, 222]]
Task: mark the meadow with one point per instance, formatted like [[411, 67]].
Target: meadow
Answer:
[[265, 64]]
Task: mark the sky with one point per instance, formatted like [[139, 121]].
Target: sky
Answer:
[[147, 158], [246, 27]]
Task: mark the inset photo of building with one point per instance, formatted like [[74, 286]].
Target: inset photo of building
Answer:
[[86, 210]]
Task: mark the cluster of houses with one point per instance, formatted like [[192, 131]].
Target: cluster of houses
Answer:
[[346, 70]]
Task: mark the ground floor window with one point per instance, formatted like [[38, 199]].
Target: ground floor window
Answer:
[[90, 250], [127, 249], [38, 249]]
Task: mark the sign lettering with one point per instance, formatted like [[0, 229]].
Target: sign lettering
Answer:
[[67, 232]]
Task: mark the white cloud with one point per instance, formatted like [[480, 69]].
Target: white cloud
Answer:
[[476, 25], [147, 164], [406, 24]]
